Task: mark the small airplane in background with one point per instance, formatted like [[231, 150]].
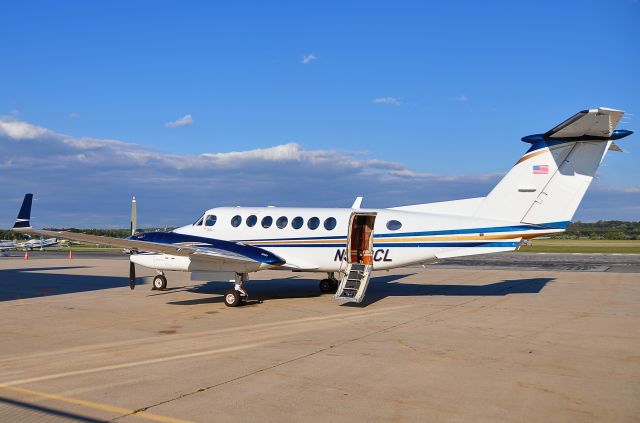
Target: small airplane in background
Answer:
[[38, 244], [537, 197], [6, 246]]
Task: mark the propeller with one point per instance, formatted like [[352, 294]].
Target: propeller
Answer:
[[132, 275], [134, 216], [132, 266]]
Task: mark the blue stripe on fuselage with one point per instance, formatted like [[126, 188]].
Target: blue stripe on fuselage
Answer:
[[516, 228]]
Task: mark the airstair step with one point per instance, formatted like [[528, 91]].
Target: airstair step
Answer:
[[354, 282]]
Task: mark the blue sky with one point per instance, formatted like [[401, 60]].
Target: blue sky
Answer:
[[441, 89]]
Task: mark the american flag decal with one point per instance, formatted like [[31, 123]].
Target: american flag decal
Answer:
[[540, 169]]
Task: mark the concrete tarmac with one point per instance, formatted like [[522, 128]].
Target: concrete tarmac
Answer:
[[452, 342]]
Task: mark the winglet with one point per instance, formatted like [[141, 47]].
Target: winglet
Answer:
[[24, 215]]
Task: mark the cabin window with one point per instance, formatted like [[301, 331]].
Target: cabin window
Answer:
[[297, 222], [236, 221], [251, 221], [330, 223], [313, 223], [267, 221], [282, 222], [210, 220], [394, 225], [199, 221]]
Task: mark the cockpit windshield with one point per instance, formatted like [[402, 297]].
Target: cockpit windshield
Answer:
[[199, 221]]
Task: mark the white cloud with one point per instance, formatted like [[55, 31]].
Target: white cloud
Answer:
[[183, 121], [386, 100], [89, 181], [19, 130], [73, 116], [309, 58], [462, 98]]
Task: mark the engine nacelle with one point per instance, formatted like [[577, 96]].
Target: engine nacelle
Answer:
[[188, 264], [162, 261]]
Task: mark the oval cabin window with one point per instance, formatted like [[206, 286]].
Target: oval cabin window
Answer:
[[236, 221], [394, 225], [267, 221], [251, 221], [330, 223], [282, 221], [313, 223], [297, 222]]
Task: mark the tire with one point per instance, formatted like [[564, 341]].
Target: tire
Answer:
[[159, 282], [334, 285], [232, 298], [325, 286]]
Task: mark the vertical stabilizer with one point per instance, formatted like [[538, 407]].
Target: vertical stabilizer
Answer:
[[23, 220], [547, 184]]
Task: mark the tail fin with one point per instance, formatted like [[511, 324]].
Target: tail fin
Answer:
[[547, 184], [24, 215]]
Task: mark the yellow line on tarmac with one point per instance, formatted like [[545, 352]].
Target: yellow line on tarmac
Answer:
[[95, 405]]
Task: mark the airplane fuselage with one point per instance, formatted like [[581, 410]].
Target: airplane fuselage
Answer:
[[315, 239]]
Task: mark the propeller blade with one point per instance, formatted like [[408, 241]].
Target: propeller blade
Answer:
[[134, 216], [132, 275]]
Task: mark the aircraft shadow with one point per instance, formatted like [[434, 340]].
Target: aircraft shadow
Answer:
[[264, 290], [18, 284], [29, 283], [379, 288], [48, 410]]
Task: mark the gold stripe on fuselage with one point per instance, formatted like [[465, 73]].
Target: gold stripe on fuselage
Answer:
[[437, 238]]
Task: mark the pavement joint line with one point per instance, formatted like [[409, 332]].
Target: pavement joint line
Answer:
[[94, 405], [131, 364], [163, 338], [302, 357], [345, 317]]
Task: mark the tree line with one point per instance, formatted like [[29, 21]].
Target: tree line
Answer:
[[114, 233], [602, 229]]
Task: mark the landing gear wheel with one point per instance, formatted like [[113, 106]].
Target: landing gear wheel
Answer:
[[159, 282], [232, 298], [326, 286], [334, 284]]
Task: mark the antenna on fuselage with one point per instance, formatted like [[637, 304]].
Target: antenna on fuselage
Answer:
[[134, 216]]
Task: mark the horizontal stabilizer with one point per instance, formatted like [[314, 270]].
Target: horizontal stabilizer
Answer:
[[588, 125], [598, 122]]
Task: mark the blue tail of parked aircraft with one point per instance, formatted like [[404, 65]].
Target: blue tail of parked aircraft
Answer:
[[24, 215]]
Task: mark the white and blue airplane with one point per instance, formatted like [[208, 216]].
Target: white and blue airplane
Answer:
[[537, 197], [6, 246], [39, 244]]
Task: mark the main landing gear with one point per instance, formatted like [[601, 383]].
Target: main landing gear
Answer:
[[236, 296], [329, 285], [160, 281]]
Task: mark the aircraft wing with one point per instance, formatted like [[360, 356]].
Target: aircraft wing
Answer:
[[212, 250], [599, 122]]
